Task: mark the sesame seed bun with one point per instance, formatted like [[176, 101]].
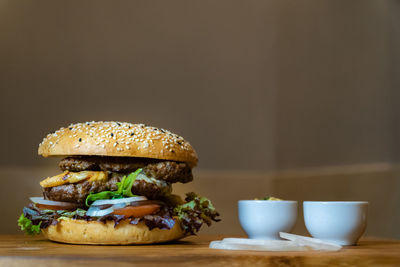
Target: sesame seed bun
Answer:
[[74, 231], [118, 139]]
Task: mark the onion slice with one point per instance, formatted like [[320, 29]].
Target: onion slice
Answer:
[[118, 201], [266, 245], [97, 212], [314, 243], [56, 204]]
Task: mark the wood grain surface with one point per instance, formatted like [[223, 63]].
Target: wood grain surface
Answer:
[[18, 250]]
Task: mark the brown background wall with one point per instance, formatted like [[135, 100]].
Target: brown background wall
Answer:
[[289, 84], [253, 85]]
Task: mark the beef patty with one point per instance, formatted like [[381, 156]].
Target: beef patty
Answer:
[[77, 193], [169, 171]]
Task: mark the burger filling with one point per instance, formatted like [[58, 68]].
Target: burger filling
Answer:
[[94, 188], [78, 192], [103, 173], [169, 171]]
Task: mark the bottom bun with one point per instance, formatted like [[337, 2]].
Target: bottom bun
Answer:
[[97, 233]]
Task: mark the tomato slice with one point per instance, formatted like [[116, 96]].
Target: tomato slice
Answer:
[[138, 211], [49, 207]]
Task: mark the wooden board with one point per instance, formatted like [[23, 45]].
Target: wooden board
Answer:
[[16, 250]]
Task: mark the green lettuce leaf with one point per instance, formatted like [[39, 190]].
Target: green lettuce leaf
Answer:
[[92, 197], [26, 225], [124, 189], [125, 186], [195, 212], [70, 214], [78, 212]]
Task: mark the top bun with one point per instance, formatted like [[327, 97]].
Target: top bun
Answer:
[[117, 139]]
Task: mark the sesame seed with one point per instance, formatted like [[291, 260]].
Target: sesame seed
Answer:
[[119, 133]]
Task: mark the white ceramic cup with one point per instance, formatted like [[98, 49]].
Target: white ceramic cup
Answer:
[[341, 222], [264, 219]]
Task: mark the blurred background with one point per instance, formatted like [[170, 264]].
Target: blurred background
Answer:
[[297, 99]]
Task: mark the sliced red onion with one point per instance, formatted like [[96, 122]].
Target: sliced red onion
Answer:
[[118, 200], [42, 201]]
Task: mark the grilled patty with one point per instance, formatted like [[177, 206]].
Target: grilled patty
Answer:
[[78, 192], [169, 171]]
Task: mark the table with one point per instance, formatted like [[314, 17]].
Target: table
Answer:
[[19, 250]]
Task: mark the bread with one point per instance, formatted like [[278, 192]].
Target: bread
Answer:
[[74, 231], [118, 139]]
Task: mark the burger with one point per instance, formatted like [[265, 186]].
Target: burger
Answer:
[[115, 187]]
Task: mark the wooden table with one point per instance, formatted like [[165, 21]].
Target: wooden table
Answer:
[[18, 250]]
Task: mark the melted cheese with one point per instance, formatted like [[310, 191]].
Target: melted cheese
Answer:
[[68, 177]]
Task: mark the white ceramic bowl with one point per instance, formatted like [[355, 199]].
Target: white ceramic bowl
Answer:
[[341, 222], [264, 219]]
